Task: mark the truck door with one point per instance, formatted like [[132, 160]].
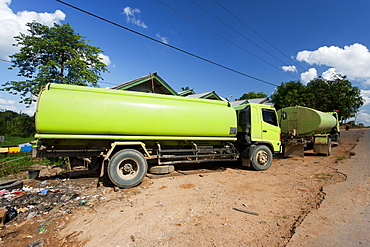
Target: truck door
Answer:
[[269, 128]]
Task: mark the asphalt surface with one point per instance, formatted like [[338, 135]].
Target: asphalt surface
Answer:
[[343, 218]]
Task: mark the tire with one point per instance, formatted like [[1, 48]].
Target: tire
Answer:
[[11, 184], [127, 168], [329, 146], [165, 169], [261, 158]]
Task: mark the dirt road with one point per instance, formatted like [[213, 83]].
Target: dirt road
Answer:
[[196, 207], [343, 218]]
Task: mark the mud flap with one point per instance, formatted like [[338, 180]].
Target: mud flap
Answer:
[[322, 145], [293, 150]]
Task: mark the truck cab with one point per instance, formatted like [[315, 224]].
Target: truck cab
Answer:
[[259, 133]]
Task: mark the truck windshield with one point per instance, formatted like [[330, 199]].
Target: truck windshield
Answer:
[[269, 116]]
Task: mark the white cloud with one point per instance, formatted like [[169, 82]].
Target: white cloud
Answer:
[[105, 59], [352, 61], [163, 39], [309, 75], [330, 74], [366, 96], [289, 68], [133, 16], [11, 24], [10, 102], [363, 117], [5, 102]]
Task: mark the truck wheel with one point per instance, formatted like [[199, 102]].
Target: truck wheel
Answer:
[[329, 146], [261, 158], [127, 168]]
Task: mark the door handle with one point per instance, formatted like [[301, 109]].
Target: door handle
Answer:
[[264, 130]]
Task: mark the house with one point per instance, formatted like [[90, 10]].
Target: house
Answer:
[[151, 83], [265, 101], [186, 92], [206, 95]]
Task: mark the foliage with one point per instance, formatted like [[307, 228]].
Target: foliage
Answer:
[[252, 95], [16, 162], [185, 88], [336, 94], [53, 54], [321, 94], [289, 94], [11, 141], [17, 125]]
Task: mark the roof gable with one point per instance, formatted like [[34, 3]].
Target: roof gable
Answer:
[[206, 95], [151, 83]]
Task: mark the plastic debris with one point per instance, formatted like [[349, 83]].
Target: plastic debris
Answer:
[[11, 214], [44, 192], [38, 243]]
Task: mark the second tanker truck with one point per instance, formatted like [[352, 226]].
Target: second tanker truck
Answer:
[[304, 128], [122, 131]]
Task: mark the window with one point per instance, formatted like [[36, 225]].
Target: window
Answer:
[[269, 116]]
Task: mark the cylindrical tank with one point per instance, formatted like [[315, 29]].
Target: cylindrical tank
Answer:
[[68, 109], [305, 121]]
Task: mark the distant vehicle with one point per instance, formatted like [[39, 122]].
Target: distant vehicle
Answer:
[[305, 128]]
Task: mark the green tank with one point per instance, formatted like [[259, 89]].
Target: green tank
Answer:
[[68, 109], [300, 121]]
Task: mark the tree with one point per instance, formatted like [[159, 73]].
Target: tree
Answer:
[[53, 54], [252, 95], [321, 94], [14, 124], [336, 94], [289, 94]]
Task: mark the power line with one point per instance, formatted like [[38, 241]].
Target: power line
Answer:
[[222, 37], [258, 34], [235, 30], [168, 45]]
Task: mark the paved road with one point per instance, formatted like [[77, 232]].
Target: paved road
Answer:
[[343, 218]]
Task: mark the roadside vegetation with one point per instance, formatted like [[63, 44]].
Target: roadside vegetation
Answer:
[[16, 162]]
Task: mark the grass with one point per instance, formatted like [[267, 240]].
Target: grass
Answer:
[[16, 162], [15, 141], [323, 176], [340, 158]]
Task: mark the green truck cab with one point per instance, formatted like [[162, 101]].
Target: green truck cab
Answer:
[[129, 133]]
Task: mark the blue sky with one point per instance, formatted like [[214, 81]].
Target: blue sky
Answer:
[[317, 38]]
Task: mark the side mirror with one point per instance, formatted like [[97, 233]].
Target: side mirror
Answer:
[[284, 115]]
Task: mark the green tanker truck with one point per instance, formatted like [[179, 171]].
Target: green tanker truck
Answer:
[[304, 128], [127, 133]]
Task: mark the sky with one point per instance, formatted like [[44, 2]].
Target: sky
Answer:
[[251, 45]]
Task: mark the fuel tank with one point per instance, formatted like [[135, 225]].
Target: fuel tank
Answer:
[[69, 109], [300, 121]]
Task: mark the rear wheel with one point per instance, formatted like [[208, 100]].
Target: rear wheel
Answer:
[[329, 146], [261, 158], [127, 168]]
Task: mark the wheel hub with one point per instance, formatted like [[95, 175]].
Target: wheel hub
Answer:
[[127, 168], [262, 158]]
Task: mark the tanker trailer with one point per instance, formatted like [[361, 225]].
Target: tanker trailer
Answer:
[[306, 128], [125, 133]]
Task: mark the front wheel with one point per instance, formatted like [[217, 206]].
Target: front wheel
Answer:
[[127, 168], [261, 158]]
